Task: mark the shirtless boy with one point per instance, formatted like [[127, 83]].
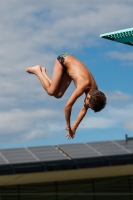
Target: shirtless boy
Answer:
[[67, 68]]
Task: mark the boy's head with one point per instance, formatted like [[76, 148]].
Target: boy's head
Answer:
[[97, 100]]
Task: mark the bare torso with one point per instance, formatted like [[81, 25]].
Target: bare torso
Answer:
[[80, 75]]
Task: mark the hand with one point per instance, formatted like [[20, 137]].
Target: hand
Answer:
[[71, 132]]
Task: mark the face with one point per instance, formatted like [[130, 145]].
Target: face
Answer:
[[86, 101]]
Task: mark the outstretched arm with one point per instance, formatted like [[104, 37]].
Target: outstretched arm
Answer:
[[68, 107], [80, 116]]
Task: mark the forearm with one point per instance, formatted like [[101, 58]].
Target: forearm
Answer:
[[67, 116], [80, 116]]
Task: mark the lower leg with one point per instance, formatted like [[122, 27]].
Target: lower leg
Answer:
[[50, 85], [44, 74], [38, 72]]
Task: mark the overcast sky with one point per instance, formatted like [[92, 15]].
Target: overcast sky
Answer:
[[36, 32]]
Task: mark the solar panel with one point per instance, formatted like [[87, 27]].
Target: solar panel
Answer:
[[78, 150], [17, 155], [108, 148], [47, 153], [127, 145], [2, 161], [124, 36]]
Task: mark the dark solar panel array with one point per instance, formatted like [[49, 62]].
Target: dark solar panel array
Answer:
[[109, 148], [17, 155], [2, 161], [65, 152], [127, 145], [78, 150], [47, 153]]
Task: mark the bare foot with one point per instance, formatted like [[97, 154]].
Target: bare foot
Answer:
[[33, 70], [43, 69]]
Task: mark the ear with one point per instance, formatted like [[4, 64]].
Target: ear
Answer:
[[88, 96]]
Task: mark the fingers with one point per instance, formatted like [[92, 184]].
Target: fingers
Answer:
[[69, 136]]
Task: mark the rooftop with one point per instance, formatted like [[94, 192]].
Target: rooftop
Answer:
[[98, 153], [66, 162]]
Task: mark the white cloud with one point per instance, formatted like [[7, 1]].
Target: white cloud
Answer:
[[33, 135], [121, 55], [56, 126], [98, 122], [128, 125], [118, 97], [122, 113], [26, 121]]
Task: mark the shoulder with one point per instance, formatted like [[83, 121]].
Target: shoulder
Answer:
[[80, 90], [75, 95]]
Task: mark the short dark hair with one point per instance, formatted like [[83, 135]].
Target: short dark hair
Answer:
[[97, 100]]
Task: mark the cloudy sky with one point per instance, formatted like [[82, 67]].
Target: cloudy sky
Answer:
[[36, 32]]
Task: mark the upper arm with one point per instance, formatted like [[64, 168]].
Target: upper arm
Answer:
[[76, 94]]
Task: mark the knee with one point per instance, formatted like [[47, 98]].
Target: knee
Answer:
[[54, 93], [58, 95], [50, 92]]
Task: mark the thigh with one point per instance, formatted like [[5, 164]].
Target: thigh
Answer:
[[56, 77], [64, 83]]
